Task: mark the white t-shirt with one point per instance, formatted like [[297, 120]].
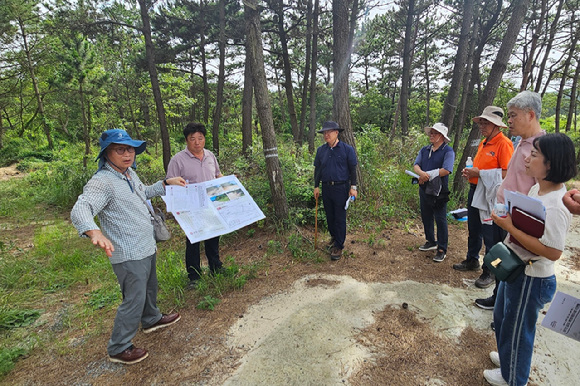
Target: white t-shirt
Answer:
[[557, 223]]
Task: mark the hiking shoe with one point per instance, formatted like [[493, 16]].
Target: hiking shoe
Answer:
[[166, 320], [486, 304], [129, 356], [485, 280], [494, 356], [335, 253], [494, 377], [428, 246], [467, 265], [439, 257]]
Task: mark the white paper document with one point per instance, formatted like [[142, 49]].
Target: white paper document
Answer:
[[410, 173], [564, 316], [211, 208], [528, 204]]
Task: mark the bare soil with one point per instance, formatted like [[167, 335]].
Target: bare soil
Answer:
[[395, 342]]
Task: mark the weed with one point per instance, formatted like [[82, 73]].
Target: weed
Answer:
[[102, 297], [274, 247], [14, 318], [208, 303], [251, 232], [8, 357]]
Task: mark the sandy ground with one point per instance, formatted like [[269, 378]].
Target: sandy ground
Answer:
[[9, 172], [385, 314], [307, 335]]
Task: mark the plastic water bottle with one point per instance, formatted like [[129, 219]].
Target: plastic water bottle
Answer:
[[500, 209], [469, 163]]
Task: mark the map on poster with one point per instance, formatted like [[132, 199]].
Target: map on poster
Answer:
[[211, 208]]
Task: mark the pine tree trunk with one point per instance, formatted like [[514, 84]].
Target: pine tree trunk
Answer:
[[263, 105], [150, 55], [247, 106], [221, 79], [450, 106], [312, 131], [520, 7], [406, 79], [305, 83]]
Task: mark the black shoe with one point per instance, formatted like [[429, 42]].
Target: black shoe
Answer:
[[486, 304], [467, 265], [492, 326], [485, 280], [428, 246], [193, 284], [440, 256]]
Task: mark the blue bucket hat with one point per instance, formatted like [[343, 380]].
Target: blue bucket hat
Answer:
[[118, 136], [330, 125]]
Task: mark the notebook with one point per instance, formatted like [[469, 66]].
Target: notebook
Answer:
[[527, 223]]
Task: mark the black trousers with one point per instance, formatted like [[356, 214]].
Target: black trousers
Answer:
[[334, 198], [192, 257]]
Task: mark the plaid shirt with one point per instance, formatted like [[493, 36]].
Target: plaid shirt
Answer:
[[124, 218]]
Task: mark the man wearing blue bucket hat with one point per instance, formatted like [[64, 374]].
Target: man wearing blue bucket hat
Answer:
[[116, 195], [335, 166]]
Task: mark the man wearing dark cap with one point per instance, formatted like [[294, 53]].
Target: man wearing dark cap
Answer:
[[116, 195], [335, 166]]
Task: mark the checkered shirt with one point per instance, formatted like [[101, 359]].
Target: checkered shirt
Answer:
[[124, 218]]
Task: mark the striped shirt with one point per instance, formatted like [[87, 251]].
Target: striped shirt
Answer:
[[124, 218]]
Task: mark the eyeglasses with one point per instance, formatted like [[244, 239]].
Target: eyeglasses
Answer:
[[122, 150], [433, 132]]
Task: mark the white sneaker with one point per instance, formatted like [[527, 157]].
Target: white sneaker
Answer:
[[494, 356], [494, 377]]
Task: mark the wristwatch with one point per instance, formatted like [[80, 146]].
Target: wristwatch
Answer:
[[165, 182], [353, 187]]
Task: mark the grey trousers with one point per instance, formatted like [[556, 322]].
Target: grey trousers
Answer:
[[138, 282]]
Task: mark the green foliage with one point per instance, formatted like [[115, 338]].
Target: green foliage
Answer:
[[274, 247], [14, 318], [171, 276], [106, 296], [302, 249], [208, 303], [24, 151], [212, 286], [8, 357]]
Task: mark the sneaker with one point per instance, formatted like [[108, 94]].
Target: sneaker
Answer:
[[492, 325], [486, 304], [428, 246], [129, 356], [166, 320], [467, 265], [335, 253], [494, 356], [439, 257], [494, 377], [485, 280]]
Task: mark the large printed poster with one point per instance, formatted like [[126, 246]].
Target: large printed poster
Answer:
[[212, 208]]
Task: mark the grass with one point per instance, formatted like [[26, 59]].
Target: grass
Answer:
[[56, 264]]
